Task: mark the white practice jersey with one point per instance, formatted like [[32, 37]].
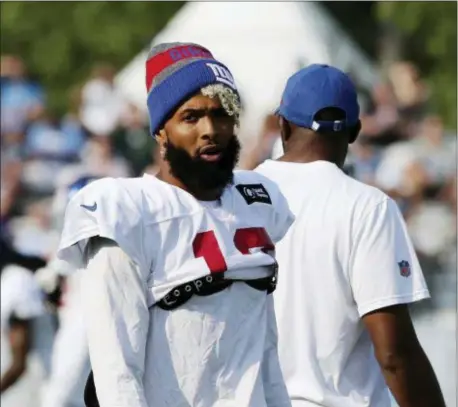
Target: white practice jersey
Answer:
[[216, 350], [347, 254]]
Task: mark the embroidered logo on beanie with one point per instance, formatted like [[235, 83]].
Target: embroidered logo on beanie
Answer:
[[176, 71]]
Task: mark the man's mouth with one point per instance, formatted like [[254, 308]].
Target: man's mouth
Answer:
[[211, 153]]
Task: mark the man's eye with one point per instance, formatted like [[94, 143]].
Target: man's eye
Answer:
[[190, 118]]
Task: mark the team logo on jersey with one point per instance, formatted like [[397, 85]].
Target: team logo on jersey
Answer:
[[254, 193], [404, 268], [90, 208]]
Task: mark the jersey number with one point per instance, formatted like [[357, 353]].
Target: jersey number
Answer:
[[206, 245]]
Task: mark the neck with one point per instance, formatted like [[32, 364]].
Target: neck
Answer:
[[165, 175], [310, 157], [306, 150]]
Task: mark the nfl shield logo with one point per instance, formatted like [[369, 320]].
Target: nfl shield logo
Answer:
[[404, 268]]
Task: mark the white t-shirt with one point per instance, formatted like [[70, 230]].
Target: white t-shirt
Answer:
[[212, 351], [348, 253]]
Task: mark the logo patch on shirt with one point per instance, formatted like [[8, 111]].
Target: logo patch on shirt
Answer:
[[404, 268], [90, 208], [254, 193]]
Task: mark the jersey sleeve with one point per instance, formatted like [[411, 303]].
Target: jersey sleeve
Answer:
[[384, 269], [255, 186], [281, 217], [116, 318], [104, 208]]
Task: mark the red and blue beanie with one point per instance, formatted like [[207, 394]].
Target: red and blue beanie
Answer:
[[176, 71]]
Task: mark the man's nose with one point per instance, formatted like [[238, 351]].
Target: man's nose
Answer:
[[208, 129]]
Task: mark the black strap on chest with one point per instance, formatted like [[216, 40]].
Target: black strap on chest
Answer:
[[212, 284], [90, 395]]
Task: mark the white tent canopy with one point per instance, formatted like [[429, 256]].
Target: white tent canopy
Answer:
[[262, 44]]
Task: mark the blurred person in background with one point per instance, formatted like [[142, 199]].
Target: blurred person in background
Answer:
[[433, 212], [71, 123], [349, 269], [47, 150], [380, 124], [266, 144], [153, 167], [364, 158], [21, 304], [11, 163], [21, 98], [11, 256], [31, 232], [100, 158], [134, 140], [436, 149], [102, 105], [410, 91], [400, 174], [70, 364]]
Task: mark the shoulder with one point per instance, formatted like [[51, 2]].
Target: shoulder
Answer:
[[109, 207], [374, 211], [255, 184], [108, 188], [362, 197], [125, 195], [268, 201], [117, 209]]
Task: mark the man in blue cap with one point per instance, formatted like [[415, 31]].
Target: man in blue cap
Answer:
[[349, 268]]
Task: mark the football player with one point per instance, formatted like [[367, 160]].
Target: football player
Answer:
[[177, 268]]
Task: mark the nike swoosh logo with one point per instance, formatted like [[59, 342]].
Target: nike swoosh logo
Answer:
[[91, 208]]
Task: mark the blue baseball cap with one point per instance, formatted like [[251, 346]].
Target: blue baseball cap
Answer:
[[315, 88]]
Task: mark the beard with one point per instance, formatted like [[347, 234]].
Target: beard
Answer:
[[200, 175]]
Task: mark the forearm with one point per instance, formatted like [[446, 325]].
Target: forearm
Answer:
[[412, 380], [11, 376], [116, 318]]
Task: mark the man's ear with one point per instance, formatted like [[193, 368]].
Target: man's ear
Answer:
[[161, 137], [285, 129], [354, 132]]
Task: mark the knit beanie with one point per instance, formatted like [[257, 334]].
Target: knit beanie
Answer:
[[174, 72]]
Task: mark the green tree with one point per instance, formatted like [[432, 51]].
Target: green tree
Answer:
[[429, 39], [61, 41]]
